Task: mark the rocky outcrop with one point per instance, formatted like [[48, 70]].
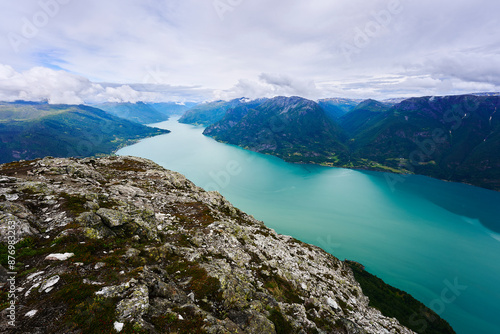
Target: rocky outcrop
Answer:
[[121, 244]]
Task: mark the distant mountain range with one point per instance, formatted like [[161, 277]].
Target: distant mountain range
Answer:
[[145, 113], [337, 107], [454, 138], [486, 94], [356, 120], [211, 112], [30, 130]]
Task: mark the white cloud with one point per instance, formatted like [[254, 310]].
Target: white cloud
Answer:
[[270, 85], [188, 45], [41, 83], [61, 87], [120, 94]]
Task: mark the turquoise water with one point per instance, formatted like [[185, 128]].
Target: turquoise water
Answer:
[[433, 239]]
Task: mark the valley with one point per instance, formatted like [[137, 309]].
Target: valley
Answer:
[[452, 138], [354, 213], [416, 234]]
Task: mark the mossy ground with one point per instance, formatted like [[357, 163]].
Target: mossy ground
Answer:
[[92, 314], [191, 323]]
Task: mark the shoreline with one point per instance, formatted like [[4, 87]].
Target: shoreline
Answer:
[[360, 168]]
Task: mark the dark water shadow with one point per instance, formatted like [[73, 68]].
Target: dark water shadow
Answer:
[[461, 199]]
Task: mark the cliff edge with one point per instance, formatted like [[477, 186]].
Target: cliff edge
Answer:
[[120, 244]]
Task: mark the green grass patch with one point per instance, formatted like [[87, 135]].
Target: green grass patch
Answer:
[[74, 203], [25, 250], [203, 285], [192, 322], [281, 289]]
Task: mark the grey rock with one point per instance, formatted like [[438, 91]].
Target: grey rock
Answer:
[[132, 309], [113, 218], [49, 284], [131, 253], [170, 249]]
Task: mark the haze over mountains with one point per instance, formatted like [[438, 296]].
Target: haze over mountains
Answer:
[[145, 113], [336, 108]]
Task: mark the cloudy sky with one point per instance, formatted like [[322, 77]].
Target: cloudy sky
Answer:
[[70, 51]]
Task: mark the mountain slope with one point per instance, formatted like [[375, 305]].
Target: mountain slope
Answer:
[[34, 130], [209, 113], [454, 138], [120, 242], [292, 128], [360, 117]]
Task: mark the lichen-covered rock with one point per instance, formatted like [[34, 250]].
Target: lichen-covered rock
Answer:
[[113, 218], [157, 254], [132, 308], [118, 290]]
